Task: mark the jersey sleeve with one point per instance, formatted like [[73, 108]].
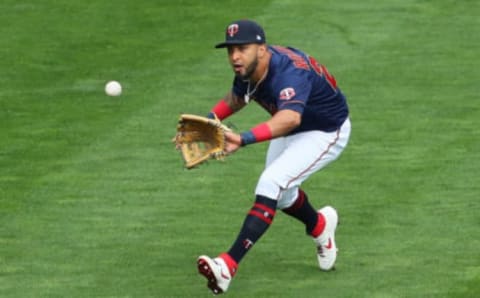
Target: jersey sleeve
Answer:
[[292, 91]]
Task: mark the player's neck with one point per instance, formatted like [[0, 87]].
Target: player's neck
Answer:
[[262, 69]]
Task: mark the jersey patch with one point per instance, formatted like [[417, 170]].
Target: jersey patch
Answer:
[[287, 93]]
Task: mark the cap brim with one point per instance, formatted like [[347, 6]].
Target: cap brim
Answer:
[[235, 42]]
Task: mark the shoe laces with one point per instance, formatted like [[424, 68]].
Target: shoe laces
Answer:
[[320, 250]]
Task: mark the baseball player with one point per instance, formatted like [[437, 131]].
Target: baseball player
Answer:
[[308, 128]]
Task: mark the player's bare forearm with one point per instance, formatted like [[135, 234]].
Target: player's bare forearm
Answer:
[[226, 106], [279, 125], [283, 122], [233, 101]]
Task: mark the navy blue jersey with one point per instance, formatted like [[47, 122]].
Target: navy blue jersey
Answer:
[[295, 81]]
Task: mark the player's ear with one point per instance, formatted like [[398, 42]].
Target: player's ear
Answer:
[[262, 49]]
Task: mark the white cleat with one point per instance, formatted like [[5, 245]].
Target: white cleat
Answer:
[[326, 247], [216, 272]]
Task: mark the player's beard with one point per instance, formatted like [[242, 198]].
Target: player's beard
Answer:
[[250, 70]]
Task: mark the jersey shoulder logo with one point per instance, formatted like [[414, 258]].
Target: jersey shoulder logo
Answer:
[[287, 93]]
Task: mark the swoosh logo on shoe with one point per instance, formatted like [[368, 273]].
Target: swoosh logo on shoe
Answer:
[[224, 275], [329, 244]]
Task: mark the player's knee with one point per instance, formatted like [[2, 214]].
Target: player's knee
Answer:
[[268, 187], [287, 198]]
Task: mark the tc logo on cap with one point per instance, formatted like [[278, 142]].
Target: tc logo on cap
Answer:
[[232, 29]]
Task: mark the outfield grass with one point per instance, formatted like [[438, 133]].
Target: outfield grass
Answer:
[[93, 198]]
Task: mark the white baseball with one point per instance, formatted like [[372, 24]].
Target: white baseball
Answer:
[[113, 88]]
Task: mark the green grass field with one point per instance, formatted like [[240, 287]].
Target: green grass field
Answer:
[[94, 201]]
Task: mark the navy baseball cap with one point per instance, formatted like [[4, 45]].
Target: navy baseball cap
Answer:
[[243, 32]]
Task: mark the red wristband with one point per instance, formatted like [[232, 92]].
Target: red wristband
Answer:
[[262, 132], [257, 134], [222, 110]]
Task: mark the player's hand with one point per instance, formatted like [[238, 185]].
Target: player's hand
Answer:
[[234, 141]]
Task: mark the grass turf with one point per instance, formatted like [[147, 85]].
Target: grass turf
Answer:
[[93, 199]]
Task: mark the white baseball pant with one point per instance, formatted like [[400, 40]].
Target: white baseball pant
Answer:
[[292, 159]]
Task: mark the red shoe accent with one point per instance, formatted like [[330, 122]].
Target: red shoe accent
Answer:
[[319, 227], [231, 263], [329, 244]]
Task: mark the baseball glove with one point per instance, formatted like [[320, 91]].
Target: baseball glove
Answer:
[[200, 139]]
